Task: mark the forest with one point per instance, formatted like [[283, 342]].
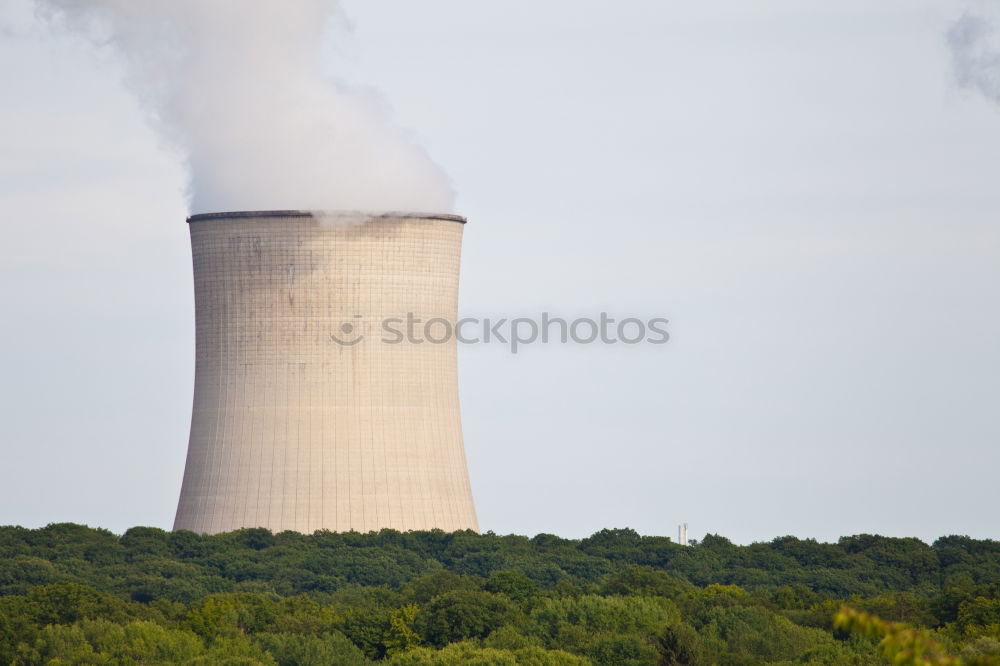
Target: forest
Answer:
[[71, 594]]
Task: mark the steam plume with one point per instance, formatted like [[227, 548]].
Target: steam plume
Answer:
[[975, 51], [238, 87]]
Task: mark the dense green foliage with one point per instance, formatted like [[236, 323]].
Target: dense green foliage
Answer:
[[75, 595], [905, 645]]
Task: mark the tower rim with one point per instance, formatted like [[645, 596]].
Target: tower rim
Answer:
[[226, 215]]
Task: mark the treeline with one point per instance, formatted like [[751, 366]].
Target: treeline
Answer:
[[74, 595]]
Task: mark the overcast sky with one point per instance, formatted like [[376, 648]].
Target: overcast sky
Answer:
[[800, 187]]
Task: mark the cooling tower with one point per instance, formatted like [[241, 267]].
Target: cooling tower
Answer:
[[307, 415]]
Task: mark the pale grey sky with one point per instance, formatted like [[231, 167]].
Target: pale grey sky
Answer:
[[800, 187]]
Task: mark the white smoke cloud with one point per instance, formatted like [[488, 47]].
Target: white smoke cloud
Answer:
[[975, 50], [238, 87]]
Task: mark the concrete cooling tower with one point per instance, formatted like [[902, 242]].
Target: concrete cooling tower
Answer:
[[306, 415]]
